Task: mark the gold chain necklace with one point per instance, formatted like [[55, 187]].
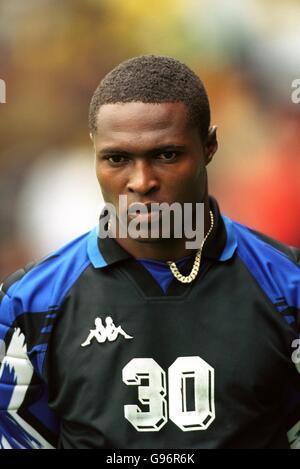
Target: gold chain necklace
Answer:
[[196, 266]]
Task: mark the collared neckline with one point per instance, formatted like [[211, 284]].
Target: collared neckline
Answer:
[[220, 245]]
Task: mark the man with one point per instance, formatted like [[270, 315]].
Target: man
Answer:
[[213, 351]]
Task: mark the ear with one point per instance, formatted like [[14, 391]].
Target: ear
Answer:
[[93, 140], [211, 144]]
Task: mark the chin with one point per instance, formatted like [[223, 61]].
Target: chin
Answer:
[[154, 240], [149, 240]]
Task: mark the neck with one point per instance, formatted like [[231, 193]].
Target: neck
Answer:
[[162, 249]]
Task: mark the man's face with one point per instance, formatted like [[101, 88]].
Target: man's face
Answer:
[[151, 154]]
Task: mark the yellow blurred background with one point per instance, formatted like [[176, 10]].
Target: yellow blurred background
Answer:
[[53, 55]]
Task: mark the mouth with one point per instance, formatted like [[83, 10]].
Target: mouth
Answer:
[[144, 212]]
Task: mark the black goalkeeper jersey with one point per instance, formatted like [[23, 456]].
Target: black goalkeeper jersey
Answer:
[[94, 354]]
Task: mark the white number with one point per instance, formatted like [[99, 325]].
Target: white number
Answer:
[[202, 376], [153, 394]]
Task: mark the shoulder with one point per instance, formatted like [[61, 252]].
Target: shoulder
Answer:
[[42, 285], [274, 265], [252, 242], [30, 300]]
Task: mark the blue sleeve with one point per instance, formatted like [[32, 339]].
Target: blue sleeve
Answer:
[[21, 390], [276, 269]]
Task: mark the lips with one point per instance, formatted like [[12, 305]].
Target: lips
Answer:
[[143, 207], [143, 210]]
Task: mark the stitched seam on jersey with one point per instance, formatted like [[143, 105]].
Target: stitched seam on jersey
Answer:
[[292, 256], [72, 282], [264, 293], [273, 251], [273, 248], [61, 297], [42, 355]]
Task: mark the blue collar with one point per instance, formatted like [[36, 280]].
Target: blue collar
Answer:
[[107, 251]]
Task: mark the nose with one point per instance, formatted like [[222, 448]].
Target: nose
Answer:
[[142, 178]]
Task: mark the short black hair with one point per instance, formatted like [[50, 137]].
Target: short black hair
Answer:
[[153, 79]]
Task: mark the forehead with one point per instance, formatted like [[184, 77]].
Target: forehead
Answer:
[[153, 123]]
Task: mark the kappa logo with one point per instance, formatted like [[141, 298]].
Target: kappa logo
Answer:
[[102, 333]]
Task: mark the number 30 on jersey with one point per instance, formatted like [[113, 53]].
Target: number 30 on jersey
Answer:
[[155, 395]]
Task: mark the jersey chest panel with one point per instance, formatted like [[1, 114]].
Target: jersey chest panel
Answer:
[[194, 370]]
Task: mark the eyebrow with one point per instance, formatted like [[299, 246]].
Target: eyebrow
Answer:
[[159, 149]]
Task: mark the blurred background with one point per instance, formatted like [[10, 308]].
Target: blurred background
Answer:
[[53, 55]]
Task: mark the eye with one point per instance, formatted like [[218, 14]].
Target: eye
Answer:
[[116, 159], [167, 156]]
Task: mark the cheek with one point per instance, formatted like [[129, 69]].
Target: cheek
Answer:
[[111, 185], [191, 185], [106, 184], [190, 175]]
